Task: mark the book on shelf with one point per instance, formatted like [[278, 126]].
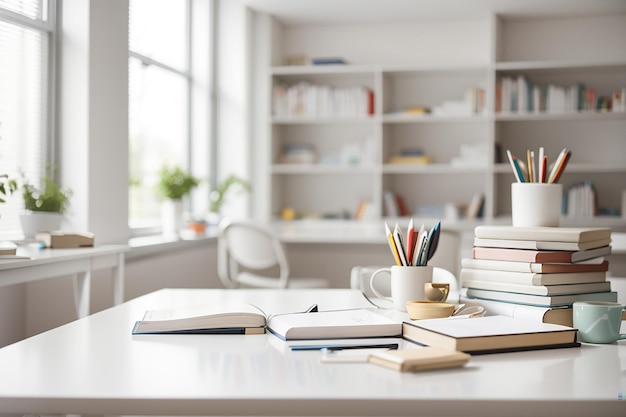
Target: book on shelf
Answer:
[[8, 248], [245, 318], [539, 256], [541, 300], [422, 359], [545, 268], [530, 278], [556, 315], [338, 324], [543, 234], [489, 334], [540, 244], [328, 61], [584, 287]]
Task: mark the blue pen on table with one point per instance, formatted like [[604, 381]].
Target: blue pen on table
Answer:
[[344, 346]]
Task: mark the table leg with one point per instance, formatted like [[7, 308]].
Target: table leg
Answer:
[[82, 293], [118, 280]]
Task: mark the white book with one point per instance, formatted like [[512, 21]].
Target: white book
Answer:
[[540, 300], [530, 278], [591, 265], [585, 287], [339, 324], [540, 245]]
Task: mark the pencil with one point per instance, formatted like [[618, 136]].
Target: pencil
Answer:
[[397, 237], [411, 240], [513, 167], [392, 245], [559, 172]]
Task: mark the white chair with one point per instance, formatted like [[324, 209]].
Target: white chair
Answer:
[[251, 256]]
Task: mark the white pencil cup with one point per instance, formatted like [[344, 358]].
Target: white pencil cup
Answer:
[[536, 204]]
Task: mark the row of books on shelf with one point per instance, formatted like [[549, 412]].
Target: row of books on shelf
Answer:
[[309, 100], [582, 200], [537, 272], [519, 95]]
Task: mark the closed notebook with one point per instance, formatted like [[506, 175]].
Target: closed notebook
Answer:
[[489, 334], [423, 359], [555, 315], [539, 289], [540, 244], [541, 300], [538, 256], [531, 278], [545, 268], [549, 234]]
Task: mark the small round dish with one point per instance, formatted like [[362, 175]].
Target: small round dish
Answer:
[[422, 309]]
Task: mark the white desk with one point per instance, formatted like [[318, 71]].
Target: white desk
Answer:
[[95, 366], [51, 263]]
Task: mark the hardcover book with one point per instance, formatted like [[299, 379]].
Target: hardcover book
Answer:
[[545, 268], [556, 315], [489, 334], [540, 300], [540, 244], [531, 278], [545, 234], [539, 256], [539, 289]]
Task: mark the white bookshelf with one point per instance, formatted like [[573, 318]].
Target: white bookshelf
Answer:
[[449, 58]]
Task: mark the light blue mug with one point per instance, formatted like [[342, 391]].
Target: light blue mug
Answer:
[[598, 321]]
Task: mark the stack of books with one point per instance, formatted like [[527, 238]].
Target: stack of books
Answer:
[[537, 272]]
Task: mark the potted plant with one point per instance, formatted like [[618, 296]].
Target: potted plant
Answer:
[[218, 195], [173, 186], [44, 206]]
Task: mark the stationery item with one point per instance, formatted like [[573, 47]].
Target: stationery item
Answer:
[[59, 239], [241, 318], [598, 322], [546, 234], [397, 238], [539, 256], [339, 324], [349, 355], [411, 242], [540, 245], [531, 278], [392, 245], [555, 315], [545, 268], [336, 347], [585, 287], [489, 334], [535, 204], [517, 172], [407, 283], [423, 359], [8, 248], [541, 300], [559, 165]]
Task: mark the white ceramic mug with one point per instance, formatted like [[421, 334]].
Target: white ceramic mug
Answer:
[[406, 284], [536, 204]]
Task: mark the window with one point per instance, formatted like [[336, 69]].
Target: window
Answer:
[[162, 99], [27, 30]]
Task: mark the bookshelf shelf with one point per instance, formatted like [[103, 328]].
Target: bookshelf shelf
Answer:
[[460, 65]]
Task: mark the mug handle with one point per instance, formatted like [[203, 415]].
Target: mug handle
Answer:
[[374, 290]]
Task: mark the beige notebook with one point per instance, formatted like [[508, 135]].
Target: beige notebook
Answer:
[[423, 359]]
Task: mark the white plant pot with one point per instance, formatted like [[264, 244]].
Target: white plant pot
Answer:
[[172, 217], [40, 221]]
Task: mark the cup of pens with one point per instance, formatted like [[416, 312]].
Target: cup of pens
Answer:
[[536, 197], [411, 270]]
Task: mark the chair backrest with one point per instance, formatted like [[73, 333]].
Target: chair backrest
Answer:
[[246, 247]]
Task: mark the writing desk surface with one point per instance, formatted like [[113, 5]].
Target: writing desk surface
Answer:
[[95, 366]]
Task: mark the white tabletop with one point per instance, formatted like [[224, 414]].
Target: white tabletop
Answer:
[[95, 366]]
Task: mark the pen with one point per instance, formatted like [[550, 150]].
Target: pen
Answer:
[[542, 164], [411, 241], [397, 237], [557, 168], [418, 245], [561, 167], [513, 167], [344, 347], [433, 240], [529, 159]]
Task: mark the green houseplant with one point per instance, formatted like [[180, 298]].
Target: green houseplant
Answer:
[[44, 206], [174, 184], [217, 196]]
